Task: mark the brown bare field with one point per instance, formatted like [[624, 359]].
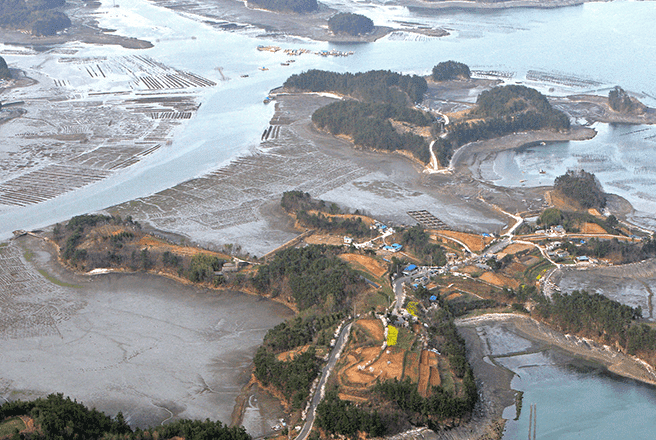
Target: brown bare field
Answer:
[[594, 212], [469, 269], [374, 327], [475, 242], [289, 355], [333, 240], [454, 295], [499, 280], [424, 374], [372, 265], [517, 247], [435, 379], [592, 228], [391, 370], [412, 367], [379, 369], [560, 201], [189, 251]]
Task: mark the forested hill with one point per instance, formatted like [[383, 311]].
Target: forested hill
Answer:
[[498, 112], [313, 275], [36, 16], [372, 86]]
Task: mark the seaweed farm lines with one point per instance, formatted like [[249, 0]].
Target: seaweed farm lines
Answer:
[[31, 305], [121, 110]]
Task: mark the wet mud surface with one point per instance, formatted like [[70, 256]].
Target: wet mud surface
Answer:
[[141, 344]]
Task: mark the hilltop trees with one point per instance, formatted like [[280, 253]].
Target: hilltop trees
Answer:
[[382, 98], [499, 111], [621, 102], [447, 70], [581, 187], [351, 24], [4, 69]]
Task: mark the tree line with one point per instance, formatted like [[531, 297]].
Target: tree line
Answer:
[[60, 418], [371, 86]]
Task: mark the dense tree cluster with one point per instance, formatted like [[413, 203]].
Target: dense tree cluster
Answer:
[[341, 417], [36, 16], [4, 69], [314, 275], [620, 251], [59, 418], [293, 378], [121, 249], [429, 411], [418, 240], [620, 101], [298, 6], [299, 331], [348, 23], [384, 96], [353, 227], [369, 125], [581, 187], [372, 86], [299, 203], [447, 70], [590, 315]]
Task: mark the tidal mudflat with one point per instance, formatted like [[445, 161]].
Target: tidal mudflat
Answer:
[[141, 344]]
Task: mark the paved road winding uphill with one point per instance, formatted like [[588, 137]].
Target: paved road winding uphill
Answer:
[[325, 373]]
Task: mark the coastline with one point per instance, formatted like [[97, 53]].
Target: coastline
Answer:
[[494, 380]]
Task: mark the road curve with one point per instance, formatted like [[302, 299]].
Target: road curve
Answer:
[[325, 373]]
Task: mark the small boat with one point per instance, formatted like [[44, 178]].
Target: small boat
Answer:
[[244, 76], [522, 181], [291, 61], [268, 99], [542, 171], [263, 68], [284, 64]]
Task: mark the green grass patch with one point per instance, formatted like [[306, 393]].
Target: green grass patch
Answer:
[[405, 339], [54, 280], [8, 427], [448, 384], [29, 255], [537, 269]]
